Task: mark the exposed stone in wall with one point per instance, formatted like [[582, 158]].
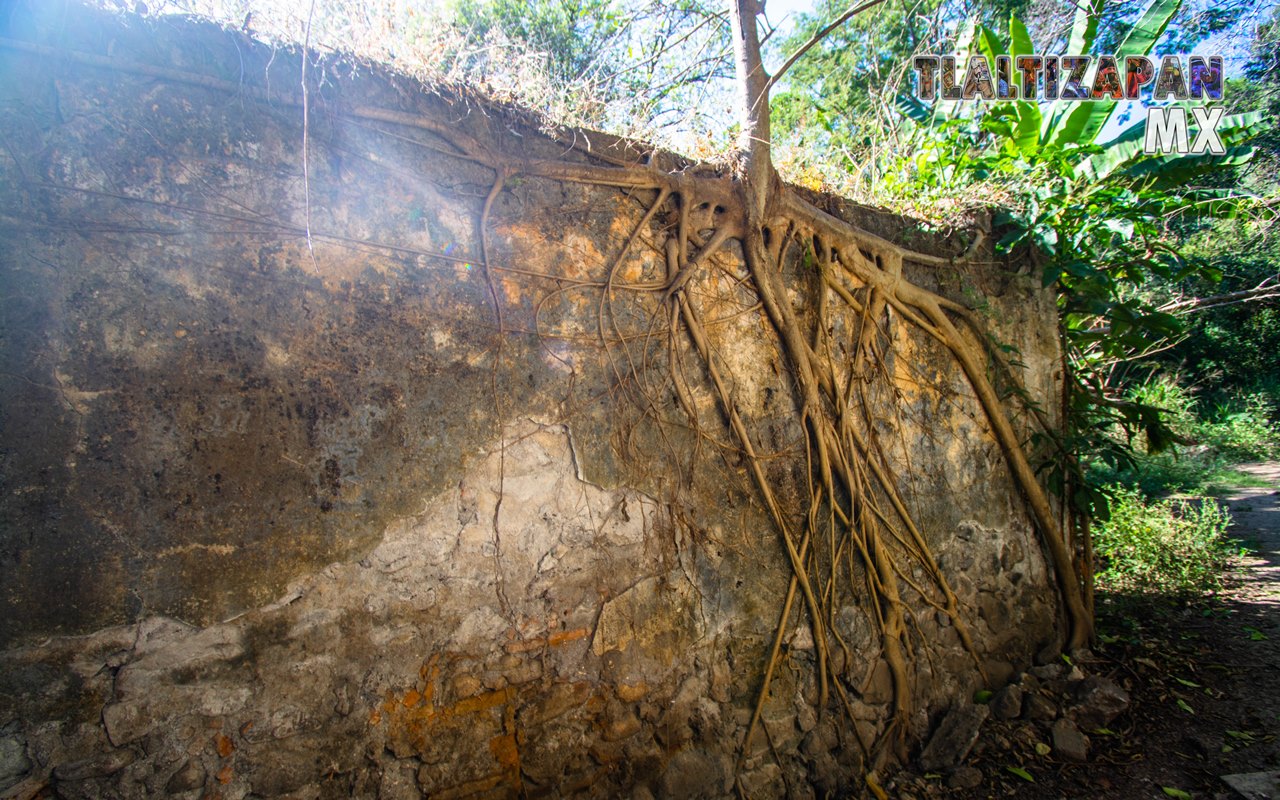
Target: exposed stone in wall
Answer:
[[292, 519]]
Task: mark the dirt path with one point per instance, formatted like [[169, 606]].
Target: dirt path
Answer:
[[1204, 679], [1249, 635], [1256, 513]]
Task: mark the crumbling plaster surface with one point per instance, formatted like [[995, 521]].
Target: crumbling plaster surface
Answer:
[[283, 518]]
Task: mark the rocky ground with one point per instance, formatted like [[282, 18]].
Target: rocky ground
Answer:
[[1179, 700]]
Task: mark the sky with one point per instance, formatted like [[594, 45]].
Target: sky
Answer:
[[783, 11]]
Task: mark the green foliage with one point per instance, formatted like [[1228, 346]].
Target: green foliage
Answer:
[[1174, 401], [1238, 428], [1232, 348], [1175, 547], [1261, 89], [1199, 472], [1205, 440], [1105, 224], [1241, 429], [632, 66], [834, 111]]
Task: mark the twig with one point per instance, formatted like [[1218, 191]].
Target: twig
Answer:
[[1265, 290], [818, 37]]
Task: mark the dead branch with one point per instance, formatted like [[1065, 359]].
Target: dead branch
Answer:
[[818, 37]]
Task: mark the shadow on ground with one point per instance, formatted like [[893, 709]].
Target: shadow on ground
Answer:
[[1204, 677]]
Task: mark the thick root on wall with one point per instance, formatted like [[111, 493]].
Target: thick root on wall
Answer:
[[849, 477]]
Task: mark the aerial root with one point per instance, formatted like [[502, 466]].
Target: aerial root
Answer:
[[857, 520]]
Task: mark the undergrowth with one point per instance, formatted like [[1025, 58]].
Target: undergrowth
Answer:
[[1155, 545], [1241, 428], [1172, 546], [1210, 442], [1187, 472]]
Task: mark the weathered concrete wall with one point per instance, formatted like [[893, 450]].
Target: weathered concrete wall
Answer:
[[292, 520]]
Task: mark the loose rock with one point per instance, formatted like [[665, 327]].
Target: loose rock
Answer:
[[1007, 703], [1047, 672], [764, 782], [1039, 707], [1255, 785], [690, 774], [626, 725], [954, 737], [1068, 742], [1096, 702], [965, 778]]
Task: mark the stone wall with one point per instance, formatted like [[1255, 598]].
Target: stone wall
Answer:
[[293, 515]]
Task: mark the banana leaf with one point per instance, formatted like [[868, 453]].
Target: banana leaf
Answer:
[[1084, 28], [1127, 147], [1082, 124]]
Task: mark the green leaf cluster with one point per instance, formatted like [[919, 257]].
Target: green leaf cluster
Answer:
[[1177, 547]]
